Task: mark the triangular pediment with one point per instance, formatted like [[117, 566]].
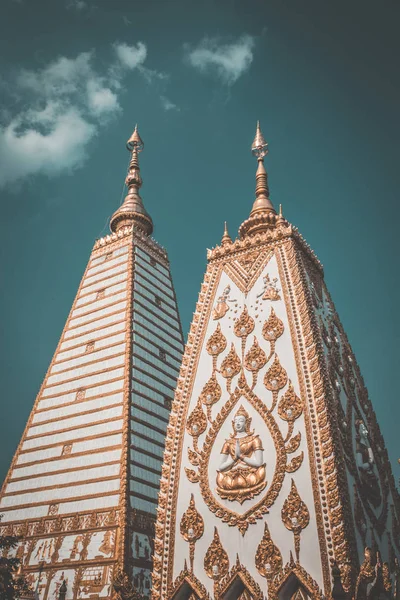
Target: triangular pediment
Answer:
[[246, 268], [188, 587], [239, 585]]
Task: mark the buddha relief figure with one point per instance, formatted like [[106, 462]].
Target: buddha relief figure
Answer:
[[241, 474], [221, 307], [365, 463], [270, 289]]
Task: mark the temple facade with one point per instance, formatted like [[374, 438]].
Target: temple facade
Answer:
[[82, 487], [276, 482]]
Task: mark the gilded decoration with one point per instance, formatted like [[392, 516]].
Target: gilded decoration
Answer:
[[230, 366], [295, 516], [211, 393], [272, 330], [245, 276], [240, 575], [251, 480], [192, 528], [216, 561], [268, 558], [244, 324], [221, 306], [275, 379], [241, 473], [304, 581], [186, 578], [216, 342], [255, 360], [197, 422], [270, 289]]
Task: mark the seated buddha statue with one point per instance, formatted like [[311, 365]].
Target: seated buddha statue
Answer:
[[241, 473]]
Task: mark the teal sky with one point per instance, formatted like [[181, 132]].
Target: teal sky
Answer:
[[77, 75]]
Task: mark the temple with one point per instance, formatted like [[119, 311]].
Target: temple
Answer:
[[82, 487], [276, 482]]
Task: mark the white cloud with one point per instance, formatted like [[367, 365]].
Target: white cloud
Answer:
[[61, 108], [101, 100], [131, 56], [78, 5], [61, 147], [228, 61], [168, 105]]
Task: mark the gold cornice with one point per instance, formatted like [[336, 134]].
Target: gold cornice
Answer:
[[140, 238], [282, 231]]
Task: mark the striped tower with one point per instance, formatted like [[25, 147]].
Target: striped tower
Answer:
[[82, 487], [276, 482]]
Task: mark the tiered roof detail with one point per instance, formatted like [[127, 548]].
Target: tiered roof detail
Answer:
[[132, 210]]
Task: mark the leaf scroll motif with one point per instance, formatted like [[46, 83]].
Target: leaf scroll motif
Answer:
[[275, 379], [216, 561], [244, 324], [196, 423], [268, 557], [230, 366], [272, 330], [290, 408], [192, 475], [210, 394], [295, 516], [295, 463], [255, 360], [293, 444], [193, 457], [216, 343]]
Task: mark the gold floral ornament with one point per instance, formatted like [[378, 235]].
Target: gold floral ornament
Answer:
[[196, 423], [290, 408], [216, 561], [192, 528], [268, 556], [272, 330], [244, 325], [230, 366], [255, 360], [295, 516], [216, 343], [275, 379], [210, 394]]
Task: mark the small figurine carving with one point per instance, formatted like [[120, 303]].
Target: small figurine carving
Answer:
[[221, 307], [365, 463], [270, 289], [241, 474]]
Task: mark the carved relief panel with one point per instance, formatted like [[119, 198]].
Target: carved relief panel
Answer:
[[244, 449]]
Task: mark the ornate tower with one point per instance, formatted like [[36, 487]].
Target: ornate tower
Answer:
[[275, 474], [82, 488]]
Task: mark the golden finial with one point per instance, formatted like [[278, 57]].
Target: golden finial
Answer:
[[226, 238], [263, 214], [259, 146], [132, 210], [135, 141]]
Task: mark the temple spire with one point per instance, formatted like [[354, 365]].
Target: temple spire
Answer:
[[132, 210], [226, 238], [263, 213]]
